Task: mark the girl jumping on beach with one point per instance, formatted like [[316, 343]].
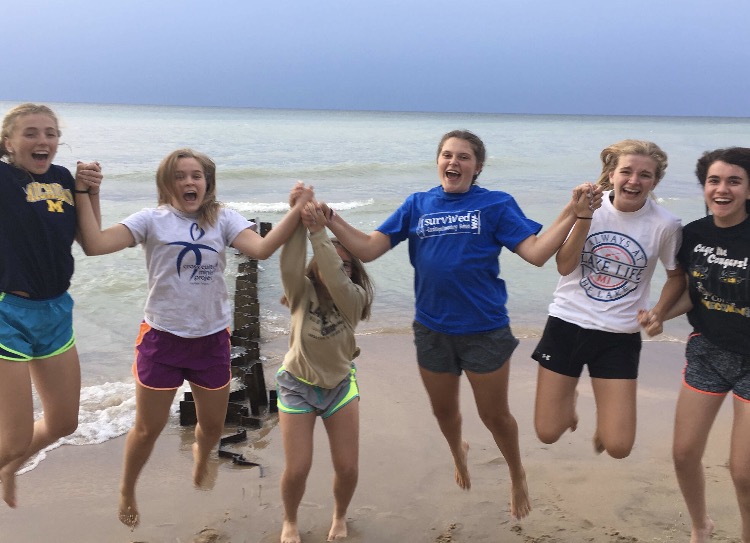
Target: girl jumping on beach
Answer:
[[37, 344], [185, 332], [327, 299], [456, 232], [714, 254], [606, 264]]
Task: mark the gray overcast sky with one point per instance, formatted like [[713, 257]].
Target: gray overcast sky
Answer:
[[636, 57]]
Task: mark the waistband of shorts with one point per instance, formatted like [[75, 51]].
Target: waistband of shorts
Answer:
[[29, 303]]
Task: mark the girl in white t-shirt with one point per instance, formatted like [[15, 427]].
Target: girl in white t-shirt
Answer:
[[606, 265], [185, 331]]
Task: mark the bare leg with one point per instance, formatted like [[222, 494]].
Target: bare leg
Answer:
[[615, 415], [555, 406], [297, 436], [491, 396], [151, 415], [442, 389], [211, 411], [58, 382], [694, 417], [343, 437], [739, 462], [16, 421]]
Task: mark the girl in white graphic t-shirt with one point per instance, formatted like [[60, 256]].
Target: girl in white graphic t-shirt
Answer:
[[606, 265]]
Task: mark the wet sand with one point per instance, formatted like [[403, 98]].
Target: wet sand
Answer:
[[406, 491]]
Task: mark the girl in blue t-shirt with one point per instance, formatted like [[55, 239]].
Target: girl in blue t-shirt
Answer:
[[455, 233]]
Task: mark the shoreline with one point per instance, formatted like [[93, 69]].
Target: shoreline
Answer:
[[406, 490]]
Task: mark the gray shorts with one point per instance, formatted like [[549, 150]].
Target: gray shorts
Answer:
[[477, 353], [296, 396], [711, 369]]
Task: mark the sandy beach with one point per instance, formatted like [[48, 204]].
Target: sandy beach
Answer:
[[406, 491]]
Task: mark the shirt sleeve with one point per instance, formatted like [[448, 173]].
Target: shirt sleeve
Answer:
[[348, 297]]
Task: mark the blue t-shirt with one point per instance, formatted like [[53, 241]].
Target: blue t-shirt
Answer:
[[454, 245], [37, 229]]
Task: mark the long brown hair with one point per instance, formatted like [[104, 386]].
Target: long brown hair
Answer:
[[165, 182], [359, 277]]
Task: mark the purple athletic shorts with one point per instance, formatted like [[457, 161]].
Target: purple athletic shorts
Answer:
[[163, 361]]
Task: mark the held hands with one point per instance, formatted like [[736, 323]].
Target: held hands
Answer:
[[651, 322], [587, 198], [89, 177], [314, 216], [301, 195]]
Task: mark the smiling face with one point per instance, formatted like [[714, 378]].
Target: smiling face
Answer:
[[633, 179], [726, 190], [189, 185], [33, 142], [457, 165]]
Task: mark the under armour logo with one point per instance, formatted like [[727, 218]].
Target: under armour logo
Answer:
[[546, 356]]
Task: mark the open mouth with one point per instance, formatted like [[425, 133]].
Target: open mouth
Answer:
[[40, 156], [452, 174], [190, 196]]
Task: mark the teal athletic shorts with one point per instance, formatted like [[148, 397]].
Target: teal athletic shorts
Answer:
[[296, 396], [33, 329]]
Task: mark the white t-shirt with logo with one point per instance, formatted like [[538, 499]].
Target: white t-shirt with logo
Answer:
[[613, 279], [187, 294]]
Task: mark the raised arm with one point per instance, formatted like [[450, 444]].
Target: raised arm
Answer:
[[91, 237], [539, 249], [569, 256], [254, 245], [366, 247]]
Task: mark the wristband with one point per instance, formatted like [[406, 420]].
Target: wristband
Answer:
[[87, 191], [584, 218]]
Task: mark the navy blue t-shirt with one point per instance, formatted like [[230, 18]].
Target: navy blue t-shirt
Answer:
[[37, 230]]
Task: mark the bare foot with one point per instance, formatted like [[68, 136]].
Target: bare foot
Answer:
[[203, 476], [702, 534], [338, 530], [520, 504], [290, 533], [463, 479], [128, 513], [8, 478], [598, 445]]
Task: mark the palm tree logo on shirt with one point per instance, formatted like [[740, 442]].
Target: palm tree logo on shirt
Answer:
[[196, 233]]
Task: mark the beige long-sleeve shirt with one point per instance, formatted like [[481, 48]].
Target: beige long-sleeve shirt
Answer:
[[321, 340]]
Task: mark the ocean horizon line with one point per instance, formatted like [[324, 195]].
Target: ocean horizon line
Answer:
[[547, 115]]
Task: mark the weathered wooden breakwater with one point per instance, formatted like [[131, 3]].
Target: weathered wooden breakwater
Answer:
[[251, 402]]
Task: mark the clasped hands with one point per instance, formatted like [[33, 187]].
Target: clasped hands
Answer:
[[89, 176], [315, 215]]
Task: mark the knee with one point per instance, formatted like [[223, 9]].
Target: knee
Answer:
[[498, 421], [684, 458], [547, 435], [347, 471], [446, 414], [296, 473], [619, 451]]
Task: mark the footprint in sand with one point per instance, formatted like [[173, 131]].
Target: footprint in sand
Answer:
[[209, 535]]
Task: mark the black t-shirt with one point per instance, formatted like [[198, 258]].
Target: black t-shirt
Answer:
[[716, 261], [37, 230]]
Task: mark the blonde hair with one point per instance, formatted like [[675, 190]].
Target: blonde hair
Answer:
[[610, 156], [165, 183], [9, 122]]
